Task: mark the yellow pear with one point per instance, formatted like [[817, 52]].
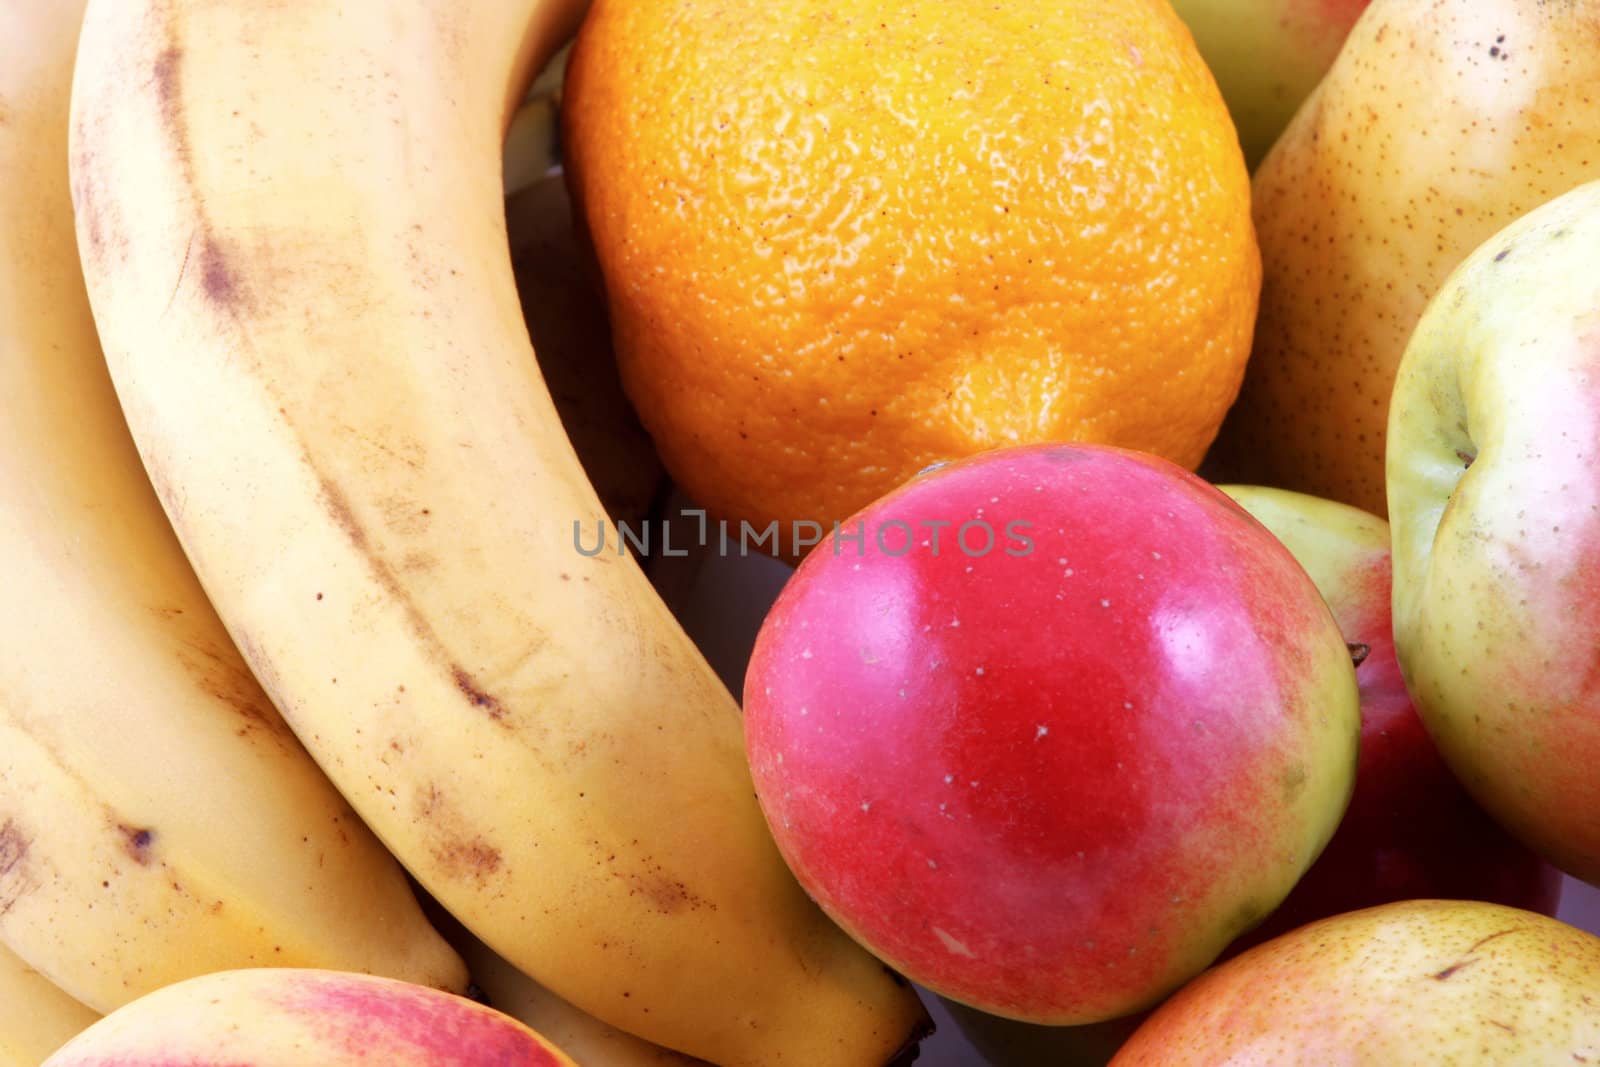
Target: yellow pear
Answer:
[[1420, 982], [1438, 124]]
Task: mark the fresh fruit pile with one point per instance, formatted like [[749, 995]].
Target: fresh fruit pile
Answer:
[[400, 397]]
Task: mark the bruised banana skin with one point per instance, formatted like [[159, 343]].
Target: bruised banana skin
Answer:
[[36, 1018], [158, 820], [295, 244]]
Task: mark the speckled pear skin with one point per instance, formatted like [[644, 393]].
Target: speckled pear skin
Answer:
[[1439, 123], [1420, 982]]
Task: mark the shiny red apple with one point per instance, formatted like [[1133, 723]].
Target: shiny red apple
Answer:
[[1047, 728], [1411, 831]]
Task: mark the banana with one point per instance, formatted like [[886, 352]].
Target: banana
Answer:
[[292, 228], [36, 1018], [583, 1037], [157, 818]]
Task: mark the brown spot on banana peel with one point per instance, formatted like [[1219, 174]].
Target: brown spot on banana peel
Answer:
[[13, 847], [86, 206], [461, 855], [166, 78], [220, 676], [218, 281], [665, 895], [15, 881], [403, 516], [478, 698], [101, 240], [343, 514], [255, 658], [164, 75], [136, 842], [462, 859], [417, 562]]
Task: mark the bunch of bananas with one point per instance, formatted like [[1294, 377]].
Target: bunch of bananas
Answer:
[[319, 611]]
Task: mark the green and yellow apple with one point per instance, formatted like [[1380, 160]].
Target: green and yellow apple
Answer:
[[1494, 491], [1438, 124], [1267, 56], [1411, 830], [1417, 982]]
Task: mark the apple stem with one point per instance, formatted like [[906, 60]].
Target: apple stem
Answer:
[[1358, 652]]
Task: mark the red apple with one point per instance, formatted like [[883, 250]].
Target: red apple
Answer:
[[1411, 831], [1047, 728]]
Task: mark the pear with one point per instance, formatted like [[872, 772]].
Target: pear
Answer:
[[1419, 982], [1267, 56], [1438, 124]]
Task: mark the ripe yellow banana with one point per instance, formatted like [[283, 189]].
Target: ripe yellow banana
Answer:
[[580, 1035], [292, 226], [36, 1017], [157, 818]]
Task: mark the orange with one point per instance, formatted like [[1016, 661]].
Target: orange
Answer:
[[843, 239]]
